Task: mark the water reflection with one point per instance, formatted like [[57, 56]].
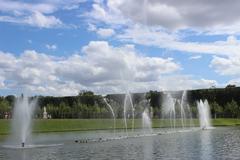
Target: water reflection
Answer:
[[148, 148], [17, 154], [220, 143], [206, 145]]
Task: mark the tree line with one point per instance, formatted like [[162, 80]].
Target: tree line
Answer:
[[224, 103]]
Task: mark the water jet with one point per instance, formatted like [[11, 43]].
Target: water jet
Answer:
[[204, 114]]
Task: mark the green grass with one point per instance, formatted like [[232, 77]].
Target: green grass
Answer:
[[225, 122], [62, 125], [4, 126]]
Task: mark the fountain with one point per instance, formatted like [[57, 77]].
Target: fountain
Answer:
[[22, 118], [182, 109], [177, 109], [189, 113], [21, 125], [204, 114], [186, 113], [128, 104], [113, 114], [169, 109], [146, 121]]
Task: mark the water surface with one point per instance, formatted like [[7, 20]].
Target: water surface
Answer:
[[219, 143]]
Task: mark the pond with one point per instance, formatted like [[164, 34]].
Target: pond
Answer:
[[218, 143]]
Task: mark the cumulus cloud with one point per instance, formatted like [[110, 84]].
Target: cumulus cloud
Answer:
[[101, 67], [162, 39], [171, 14], [182, 82], [143, 23], [148, 12], [228, 66], [195, 57], [39, 20], [102, 62], [35, 14], [106, 15], [102, 32], [235, 81], [1, 82], [51, 46], [21, 7], [105, 32]]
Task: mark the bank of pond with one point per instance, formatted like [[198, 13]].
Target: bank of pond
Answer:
[[65, 125]]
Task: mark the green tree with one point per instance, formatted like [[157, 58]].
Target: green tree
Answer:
[[231, 86], [87, 97], [154, 98], [232, 109], [4, 107], [216, 109]]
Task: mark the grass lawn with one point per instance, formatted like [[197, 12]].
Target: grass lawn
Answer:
[[61, 125]]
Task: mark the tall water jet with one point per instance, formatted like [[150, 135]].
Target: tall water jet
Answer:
[[182, 108], [169, 110], [186, 113], [22, 118], [189, 112], [176, 109], [113, 114], [204, 114], [128, 104], [146, 121]]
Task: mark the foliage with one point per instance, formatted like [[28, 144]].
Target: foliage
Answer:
[[232, 109], [224, 103], [4, 107], [216, 110]]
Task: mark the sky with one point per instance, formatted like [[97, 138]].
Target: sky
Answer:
[[62, 47]]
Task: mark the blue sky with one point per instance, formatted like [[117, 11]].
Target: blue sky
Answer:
[[60, 47]]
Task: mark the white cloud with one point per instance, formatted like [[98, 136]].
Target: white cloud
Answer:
[[235, 81], [102, 62], [39, 20], [101, 68], [36, 19], [35, 14], [46, 6], [171, 14], [2, 85], [195, 57], [148, 12], [181, 82], [229, 66], [108, 16], [51, 46], [7, 62], [105, 32], [69, 5], [142, 22], [106, 69], [21, 7], [91, 27], [162, 39]]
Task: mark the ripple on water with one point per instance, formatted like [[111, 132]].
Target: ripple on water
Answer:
[[219, 143]]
